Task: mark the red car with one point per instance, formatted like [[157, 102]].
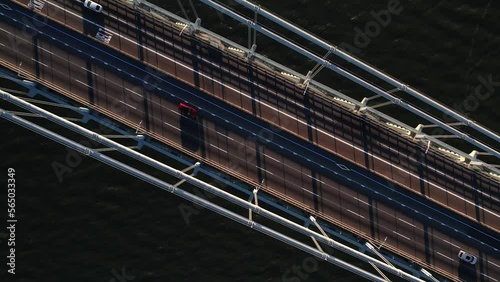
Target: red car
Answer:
[[187, 110]]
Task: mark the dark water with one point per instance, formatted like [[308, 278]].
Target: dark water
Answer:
[[442, 48], [99, 220]]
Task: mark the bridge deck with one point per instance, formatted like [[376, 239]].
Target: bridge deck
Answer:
[[247, 104]]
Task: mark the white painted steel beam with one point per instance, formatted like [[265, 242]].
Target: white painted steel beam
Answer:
[[355, 61], [190, 179], [363, 82]]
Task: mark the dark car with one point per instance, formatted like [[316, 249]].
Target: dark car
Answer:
[[188, 110]]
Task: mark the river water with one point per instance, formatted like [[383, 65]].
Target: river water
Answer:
[[98, 224]]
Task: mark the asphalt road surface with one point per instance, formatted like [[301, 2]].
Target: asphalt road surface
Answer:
[[257, 127]]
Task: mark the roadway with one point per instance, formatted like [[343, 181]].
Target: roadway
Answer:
[[316, 119], [297, 170]]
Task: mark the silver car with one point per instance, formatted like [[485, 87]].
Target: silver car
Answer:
[[93, 6], [467, 257]]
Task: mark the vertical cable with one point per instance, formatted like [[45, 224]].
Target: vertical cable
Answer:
[[183, 11], [194, 10]]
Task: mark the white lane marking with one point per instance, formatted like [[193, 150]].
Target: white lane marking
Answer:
[[361, 201], [209, 62], [399, 234], [45, 65], [336, 138], [286, 114], [315, 179], [454, 245], [50, 52], [85, 68], [355, 213], [274, 159], [225, 136], [442, 174], [445, 256], [120, 19], [212, 145], [185, 66], [172, 126], [135, 93], [489, 276], [328, 134], [128, 105], [6, 31], [264, 170], [81, 82], [307, 191], [175, 111], [494, 264], [411, 224]]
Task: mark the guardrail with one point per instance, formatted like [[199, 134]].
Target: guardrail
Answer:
[[347, 234], [286, 72], [323, 238], [416, 133], [332, 49]]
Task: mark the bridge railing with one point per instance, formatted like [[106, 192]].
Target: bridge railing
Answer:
[[366, 67], [416, 133]]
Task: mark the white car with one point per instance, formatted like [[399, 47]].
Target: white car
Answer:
[[93, 6], [467, 257]]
